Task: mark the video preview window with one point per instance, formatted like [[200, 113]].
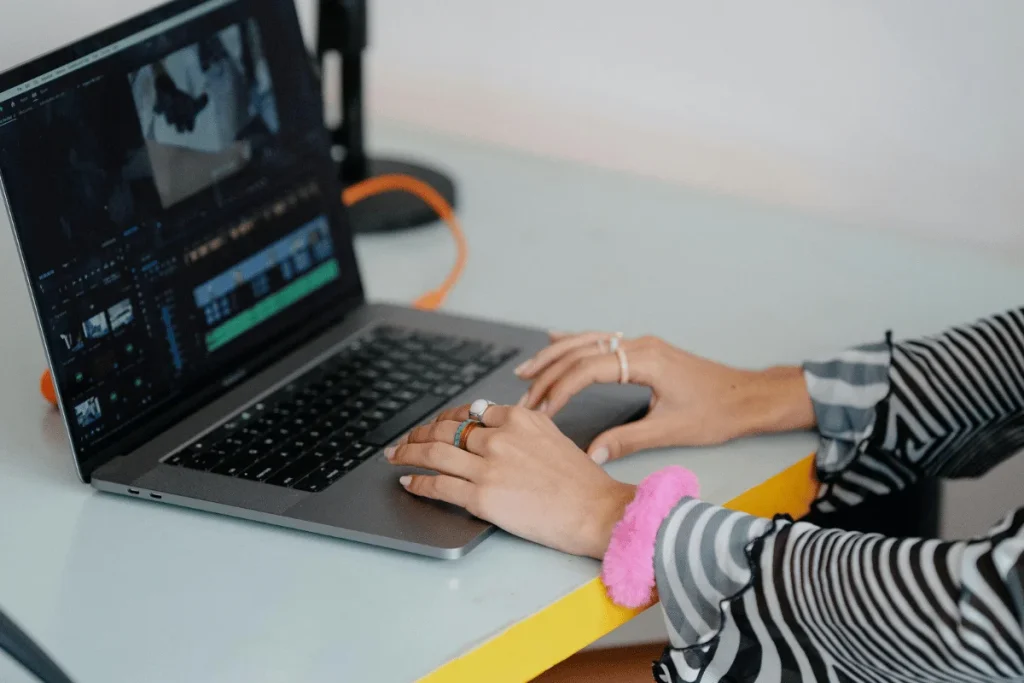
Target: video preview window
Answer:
[[206, 111]]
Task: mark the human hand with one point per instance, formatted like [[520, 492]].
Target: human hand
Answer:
[[695, 402], [520, 473]]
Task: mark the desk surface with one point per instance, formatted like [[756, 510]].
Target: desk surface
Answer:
[[123, 590]]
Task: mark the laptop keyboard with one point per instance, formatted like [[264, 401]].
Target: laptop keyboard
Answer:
[[322, 425]]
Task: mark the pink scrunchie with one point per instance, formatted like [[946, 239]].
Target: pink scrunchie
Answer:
[[628, 567]]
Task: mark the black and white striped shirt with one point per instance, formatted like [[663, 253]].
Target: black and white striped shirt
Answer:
[[751, 599]]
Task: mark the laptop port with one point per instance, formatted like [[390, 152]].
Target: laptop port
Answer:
[[155, 495], [133, 492]]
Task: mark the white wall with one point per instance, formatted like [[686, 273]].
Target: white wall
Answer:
[[904, 114]]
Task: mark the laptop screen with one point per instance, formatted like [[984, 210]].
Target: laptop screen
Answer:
[[172, 194]]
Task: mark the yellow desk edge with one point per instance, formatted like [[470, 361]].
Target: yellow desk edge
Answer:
[[535, 644]]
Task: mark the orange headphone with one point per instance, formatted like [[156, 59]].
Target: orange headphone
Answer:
[[367, 188]]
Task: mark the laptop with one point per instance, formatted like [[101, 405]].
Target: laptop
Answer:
[[177, 212]]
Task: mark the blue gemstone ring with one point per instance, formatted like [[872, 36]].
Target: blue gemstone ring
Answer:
[[462, 433]]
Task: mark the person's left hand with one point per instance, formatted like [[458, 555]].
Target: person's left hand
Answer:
[[520, 473]]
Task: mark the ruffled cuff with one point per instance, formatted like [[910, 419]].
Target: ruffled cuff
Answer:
[[705, 560], [845, 392]]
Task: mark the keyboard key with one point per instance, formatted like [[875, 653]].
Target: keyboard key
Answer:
[[447, 390], [249, 434], [176, 459], [472, 372], [447, 367], [265, 423], [357, 404], [301, 445], [317, 481], [237, 463], [405, 396], [335, 441], [253, 472], [203, 460], [296, 471], [405, 418], [469, 351], [496, 357], [389, 406], [233, 443], [362, 452], [261, 471], [384, 386], [315, 435], [371, 395]]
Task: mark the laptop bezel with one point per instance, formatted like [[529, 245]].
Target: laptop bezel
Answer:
[[248, 365]]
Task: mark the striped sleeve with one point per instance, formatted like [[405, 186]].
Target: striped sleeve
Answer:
[[771, 601], [948, 405]]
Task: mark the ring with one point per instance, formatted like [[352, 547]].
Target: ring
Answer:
[[478, 407], [614, 341], [465, 429], [623, 366]]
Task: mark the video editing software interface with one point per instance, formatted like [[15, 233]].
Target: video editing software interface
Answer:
[[168, 191]]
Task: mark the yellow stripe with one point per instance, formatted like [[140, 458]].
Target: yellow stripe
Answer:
[[535, 644]]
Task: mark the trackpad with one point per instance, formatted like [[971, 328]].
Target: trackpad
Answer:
[[598, 408]]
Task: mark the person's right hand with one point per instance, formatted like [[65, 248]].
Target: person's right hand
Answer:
[[695, 402]]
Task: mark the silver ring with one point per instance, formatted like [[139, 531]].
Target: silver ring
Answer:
[[478, 407], [614, 341]]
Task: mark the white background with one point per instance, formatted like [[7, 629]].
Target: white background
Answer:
[[903, 116]]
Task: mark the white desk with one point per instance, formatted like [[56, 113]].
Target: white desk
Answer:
[[125, 591]]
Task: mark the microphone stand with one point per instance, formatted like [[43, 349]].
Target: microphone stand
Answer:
[[342, 29]]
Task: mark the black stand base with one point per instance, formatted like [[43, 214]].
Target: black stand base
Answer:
[[394, 211]]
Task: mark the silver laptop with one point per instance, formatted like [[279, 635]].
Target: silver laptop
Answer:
[[176, 207]]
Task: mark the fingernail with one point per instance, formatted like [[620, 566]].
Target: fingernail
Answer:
[[405, 480], [389, 452], [522, 368], [543, 407], [600, 456], [522, 401]]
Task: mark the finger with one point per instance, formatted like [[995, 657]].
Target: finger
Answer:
[[552, 353], [494, 416], [630, 438], [553, 390], [439, 487], [442, 458], [458, 414], [444, 432]]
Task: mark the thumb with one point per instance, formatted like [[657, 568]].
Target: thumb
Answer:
[[620, 441]]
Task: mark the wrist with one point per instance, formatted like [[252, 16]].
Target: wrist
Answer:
[[775, 400], [607, 512]]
